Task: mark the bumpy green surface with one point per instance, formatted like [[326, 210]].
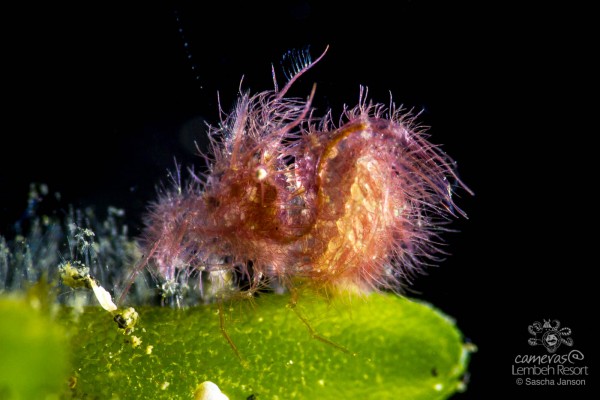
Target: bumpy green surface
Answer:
[[403, 350]]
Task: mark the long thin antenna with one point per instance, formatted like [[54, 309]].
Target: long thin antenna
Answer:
[[300, 65]]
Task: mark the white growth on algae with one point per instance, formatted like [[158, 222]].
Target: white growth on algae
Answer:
[[104, 298], [77, 275], [209, 391]]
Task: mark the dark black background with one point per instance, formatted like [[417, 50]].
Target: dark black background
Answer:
[[99, 98]]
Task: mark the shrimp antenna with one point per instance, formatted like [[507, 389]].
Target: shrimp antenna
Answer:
[[300, 63]]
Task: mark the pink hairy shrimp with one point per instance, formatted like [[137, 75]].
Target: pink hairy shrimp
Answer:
[[292, 199]]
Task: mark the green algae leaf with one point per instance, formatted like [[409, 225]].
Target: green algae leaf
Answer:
[[398, 348], [33, 351]]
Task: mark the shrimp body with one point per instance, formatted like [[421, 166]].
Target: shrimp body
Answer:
[[289, 198]]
